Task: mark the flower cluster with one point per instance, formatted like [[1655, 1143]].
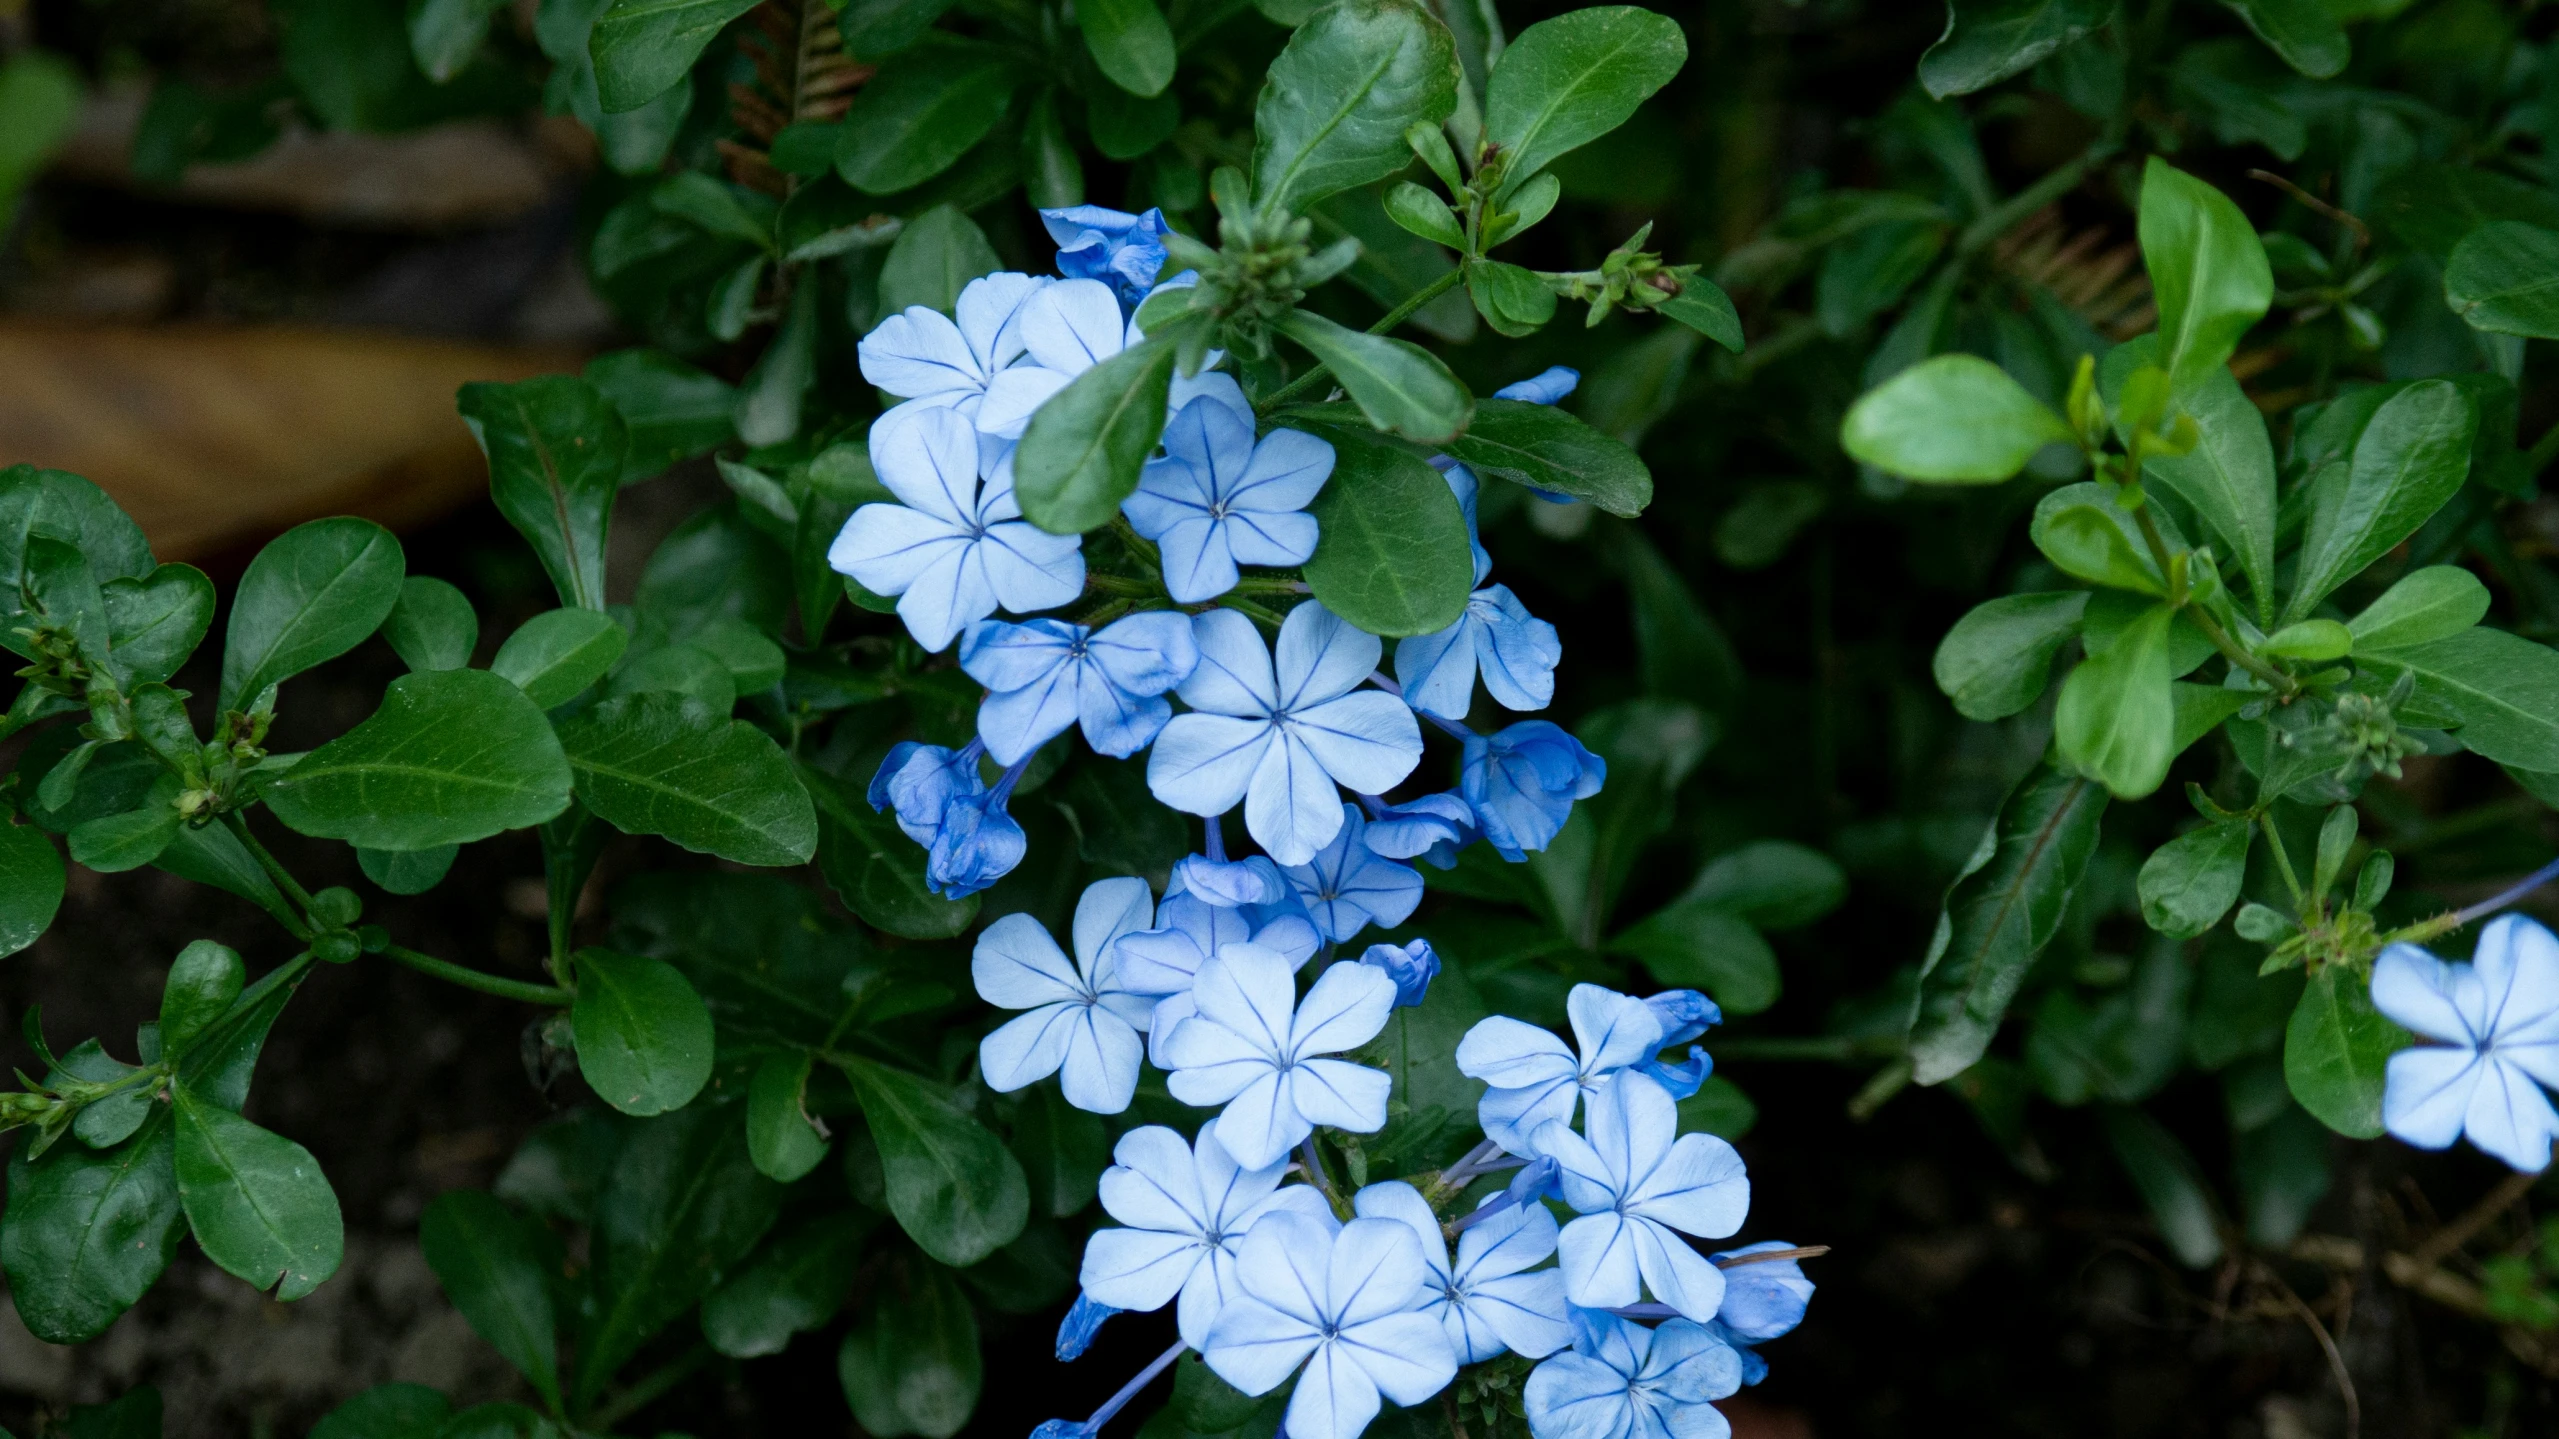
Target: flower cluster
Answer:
[[2495, 1027]]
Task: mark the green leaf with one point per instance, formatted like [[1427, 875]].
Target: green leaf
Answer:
[[875, 869], [1512, 300], [1999, 914], [779, 1136], [1427, 215], [2116, 720], [643, 48], [311, 595], [2208, 272], [387, 1411], [1719, 1108], [2433, 208], [2337, 1050], [873, 28], [1997, 659], [933, 259], [214, 856], [914, 1367], [916, 118], [681, 1206], [2228, 478], [1544, 447], [112, 844], [2283, 1173], [2313, 640], [2166, 1176], [669, 765], [2306, 33], [1119, 826], [40, 97], [1986, 41], [1088, 443], [2190, 882], [1130, 41], [1703, 306], [797, 1283], [493, 1273], [1705, 946], [2504, 278], [556, 449], [445, 34], [407, 871], [2410, 461], [1063, 1150], [2094, 541], [671, 411], [156, 622], [31, 880], [432, 627], [452, 756], [2504, 687], [1397, 384], [88, 1231], [1336, 103], [2430, 604], [257, 1201], [555, 655], [953, 1186], [1125, 126], [1954, 419], [1569, 80], [1391, 554], [643, 1037], [204, 982], [66, 507], [1772, 883]]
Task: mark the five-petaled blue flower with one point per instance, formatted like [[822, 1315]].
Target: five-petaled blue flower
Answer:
[[1412, 965], [1496, 636], [1188, 933], [1280, 738], [1217, 499], [1338, 1299], [1638, 1184], [1187, 1209], [1044, 675], [932, 362], [1522, 782], [1119, 249], [2495, 1021], [1535, 1078], [1253, 1047], [1484, 1302], [1348, 886], [1084, 1021], [957, 547], [1623, 1381]]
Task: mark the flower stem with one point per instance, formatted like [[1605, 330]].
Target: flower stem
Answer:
[[2507, 896], [238, 824], [1423, 296], [468, 978], [1132, 1388]]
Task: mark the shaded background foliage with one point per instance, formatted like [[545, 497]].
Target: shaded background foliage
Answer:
[[1995, 1264]]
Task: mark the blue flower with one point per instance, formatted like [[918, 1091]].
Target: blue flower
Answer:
[[924, 356], [1412, 965], [1515, 651], [920, 781], [1522, 781], [978, 843], [1762, 1300], [1217, 499], [1121, 250], [1279, 739], [1684, 1013], [1045, 675], [1186, 1210], [1083, 1021], [1254, 1048], [1483, 1302], [1432, 828], [1623, 1381], [1188, 933], [1463, 484], [1534, 1078], [1340, 1301], [1068, 327], [1638, 1184], [958, 546], [1347, 886], [1084, 1319], [1548, 387], [2495, 1023]]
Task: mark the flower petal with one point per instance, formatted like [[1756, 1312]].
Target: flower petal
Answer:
[[1339, 1093], [1023, 1051], [2416, 990], [1401, 1203], [928, 457], [1016, 965], [1508, 1053], [1107, 910], [1368, 741], [1073, 325], [2510, 1118], [1233, 676], [1406, 1354], [1014, 395], [889, 547], [2426, 1092], [1524, 1311], [1614, 1030], [1138, 1269], [1204, 763], [1345, 1009], [1678, 1275], [1572, 1396], [1700, 1188], [1598, 1257], [1099, 1071], [1255, 1347], [1335, 1398], [919, 352], [1321, 656], [1292, 807], [1153, 1183]]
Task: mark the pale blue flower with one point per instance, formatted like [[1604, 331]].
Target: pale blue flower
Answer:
[[1188, 933], [1347, 886], [2495, 1023], [1068, 327], [1254, 1048], [934, 362], [1432, 828], [1638, 1184], [1762, 1301], [1684, 1013], [1339, 1301], [978, 842], [920, 780], [1187, 1209], [1547, 387], [1468, 489], [1084, 1319], [1279, 738], [1412, 965], [1494, 636], [1083, 1021], [1522, 783], [1536, 1078], [1623, 1381], [1121, 250], [1044, 675], [957, 548], [1217, 498], [1484, 1302]]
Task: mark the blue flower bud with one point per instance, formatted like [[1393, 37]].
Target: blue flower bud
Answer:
[[1684, 1013], [1082, 1322], [1522, 781], [1412, 966]]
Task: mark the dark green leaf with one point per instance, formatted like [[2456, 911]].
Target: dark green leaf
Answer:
[[156, 622], [2305, 32], [1681, 651], [2091, 537], [875, 868], [452, 756], [770, 397], [2504, 687], [1719, 1108], [796, 1284], [1569, 80], [1999, 656], [1125, 126], [387, 1411], [1391, 554], [933, 259], [1119, 826], [31, 880], [2410, 460], [2166, 1176], [1512, 300], [135, 1415], [670, 410], [407, 871], [643, 1037], [913, 1367], [1085, 447], [1705, 946], [665, 764], [643, 48], [1772, 883], [953, 1186], [2283, 1174], [87, 1232], [1336, 103], [917, 117], [2434, 207], [1986, 41], [311, 595], [494, 1274], [1425, 214], [256, 1200], [2228, 478], [213, 855], [112, 844], [432, 627], [556, 448], [2190, 882], [715, 566], [1393, 264], [555, 655], [779, 1136], [1063, 1150], [2207, 270], [1130, 41], [204, 982], [1544, 447], [2336, 1051], [1397, 384], [873, 28], [2504, 278], [2122, 1048], [1955, 419]]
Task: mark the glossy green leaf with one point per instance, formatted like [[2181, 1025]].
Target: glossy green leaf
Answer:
[[556, 449], [155, 623], [2116, 720], [407, 871], [933, 259], [88, 1231], [1999, 656], [432, 627], [2306, 33], [2410, 461], [1512, 300], [2504, 687], [643, 48], [112, 844], [2426, 605], [214, 856], [315, 592], [779, 1136], [2169, 1183], [2094, 541], [1085, 447], [31, 881], [257, 1201], [2337, 1050], [1397, 384], [917, 117], [2228, 478], [668, 765], [1548, 449], [643, 1037], [795, 1284], [2190, 882], [1954, 419], [1986, 41], [1336, 103], [1567, 81], [875, 869], [204, 982], [1391, 554], [2000, 913], [1425, 214], [671, 411], [1704, 946], [1703, 306], [1125, 126], [490, 1268], [450, 757], [1130, 40], [68, 508], [2504, 278], [2208, 272], [1773, 883], [555, 655], [953, 1186]]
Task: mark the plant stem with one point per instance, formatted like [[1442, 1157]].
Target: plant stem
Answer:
[[1308, 381], [2051, 186], [468, 978], [238, 824], [2284, 685], [1322, 1181], [2283, 863], [656, 1382]]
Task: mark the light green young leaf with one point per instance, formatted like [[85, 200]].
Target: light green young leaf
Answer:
[[2228, 478], [1703, 306], [1425, 214], [555, 655], [258, 1203], [1986, 41], [556, 449], [1334, 108], [2091, 542], [2207, 270], [2190, 882], [2504, 278], [778, 1134], [1569, 80], [432, 627], [451, 756], [1546, 448], [481, 1252], [665, 764], [919, 115], [2336, 1051], [2116, 720], [2410, 461], [1130, 41], [311, 595], [2311, 640], [1397, 384], [643, 48], [954, 1188], [2430, 604], [643, 1037], [1954, 419], [1512, 300], [1391, 554], [1999, 656]]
